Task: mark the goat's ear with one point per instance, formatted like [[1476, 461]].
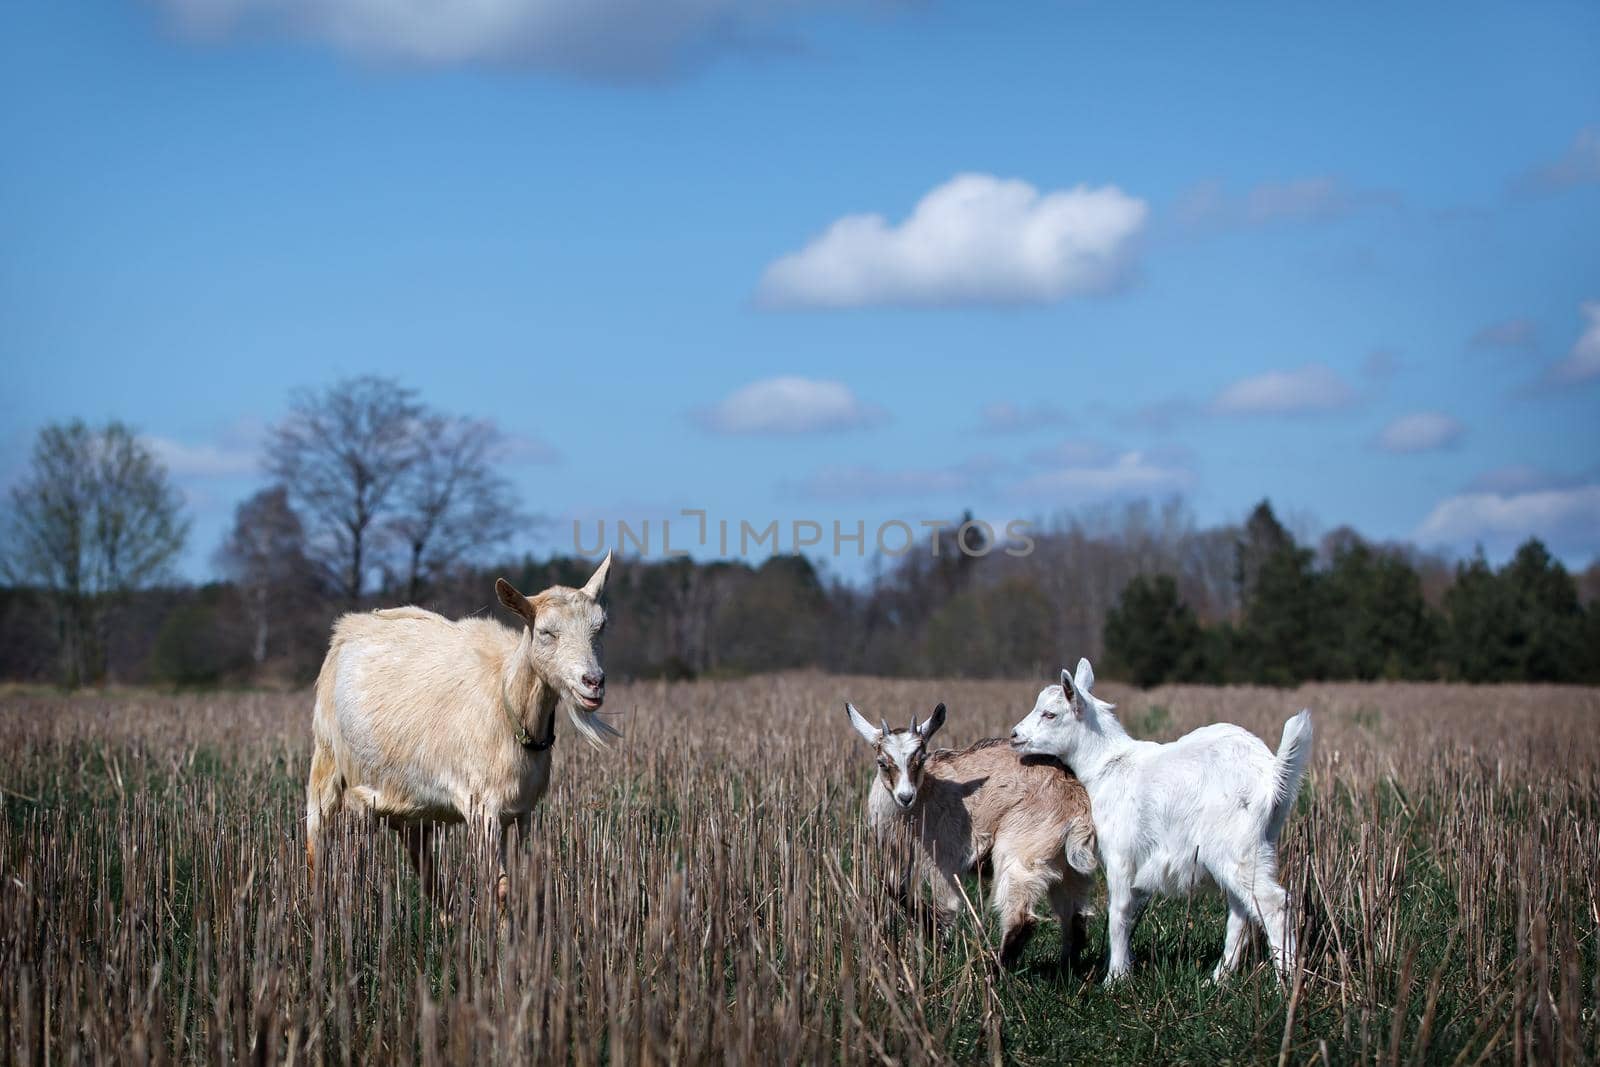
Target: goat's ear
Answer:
[[597, 581], [932, 726], [1085, 678], [863, 727], [514, 600], [1069, 689]]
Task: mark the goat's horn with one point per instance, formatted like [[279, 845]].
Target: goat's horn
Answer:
[[885, 724], [913, 722]]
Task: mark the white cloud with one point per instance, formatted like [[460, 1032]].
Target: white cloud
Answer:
[[866, 482], [204, 460], [1006, 417], [1518, 333], [1519, 478], [1422, 431], [1313, 387], [1582, 363], [1303, 198], [976, 239], [1091, 475], [790, 406], [1079, 452], [1312, 199], [1578, 165], [1568, 519], [1380, 365], [608, 39], [521, 449]]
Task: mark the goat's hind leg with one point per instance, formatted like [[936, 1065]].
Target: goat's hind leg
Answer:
[[1069, 899], [1256, 887], [322, 800], [1017, 889]]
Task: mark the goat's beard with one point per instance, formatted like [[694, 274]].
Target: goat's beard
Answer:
[[590, 726]]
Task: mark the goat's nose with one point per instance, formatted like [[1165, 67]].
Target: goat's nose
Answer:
[[595, 680]]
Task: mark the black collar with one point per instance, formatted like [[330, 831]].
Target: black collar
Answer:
[[520, 732]]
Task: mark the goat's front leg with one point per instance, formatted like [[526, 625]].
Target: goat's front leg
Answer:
[[1233, 944], [946, 891], [1123, 905], [947, 898], [418, 838], [498, 840]]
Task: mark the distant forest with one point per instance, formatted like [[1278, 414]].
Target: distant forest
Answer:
[[1150, 598], [376, 500]]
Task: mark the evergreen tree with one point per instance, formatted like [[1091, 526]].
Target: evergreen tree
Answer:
[[1480, 631], [1547, 641], [1375, 622], [1151, 635], [1280, 638], [1590, 661], [1264, 537]]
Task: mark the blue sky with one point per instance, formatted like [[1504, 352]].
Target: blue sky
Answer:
[[842, 261]]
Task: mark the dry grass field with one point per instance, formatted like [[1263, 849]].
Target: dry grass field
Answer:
[[705, 892]]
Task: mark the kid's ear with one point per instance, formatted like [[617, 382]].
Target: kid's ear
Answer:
[[934, 723], [1085, 677], [863, 727], [1070, 689], [514, 600]]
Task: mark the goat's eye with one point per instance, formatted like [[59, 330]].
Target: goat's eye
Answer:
[[885, 766], [548, 635], [1047, 715]]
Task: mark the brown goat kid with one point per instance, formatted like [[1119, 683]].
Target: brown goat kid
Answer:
[[1029, 819]]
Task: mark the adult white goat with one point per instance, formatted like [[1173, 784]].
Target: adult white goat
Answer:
[[1207, 807], [421, 720], [1028, 818]]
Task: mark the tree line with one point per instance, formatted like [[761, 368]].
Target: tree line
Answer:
[[375, 498], [1362, 613]]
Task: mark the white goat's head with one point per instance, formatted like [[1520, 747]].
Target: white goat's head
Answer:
[[900, 753], [1061, 716], [564, 628]]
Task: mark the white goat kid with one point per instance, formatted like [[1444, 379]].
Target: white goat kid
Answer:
[[1207, 807], [1029, 818], [422, 720]]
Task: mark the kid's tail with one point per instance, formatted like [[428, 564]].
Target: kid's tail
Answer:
[[1080, 845], [1294, 752]]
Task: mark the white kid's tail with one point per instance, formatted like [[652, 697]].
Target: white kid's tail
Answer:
[[1080, 845], [1294, 752]]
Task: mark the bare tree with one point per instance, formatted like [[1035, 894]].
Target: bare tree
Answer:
[[96, 518], [342, 454], [265, 555], [451, 504]]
